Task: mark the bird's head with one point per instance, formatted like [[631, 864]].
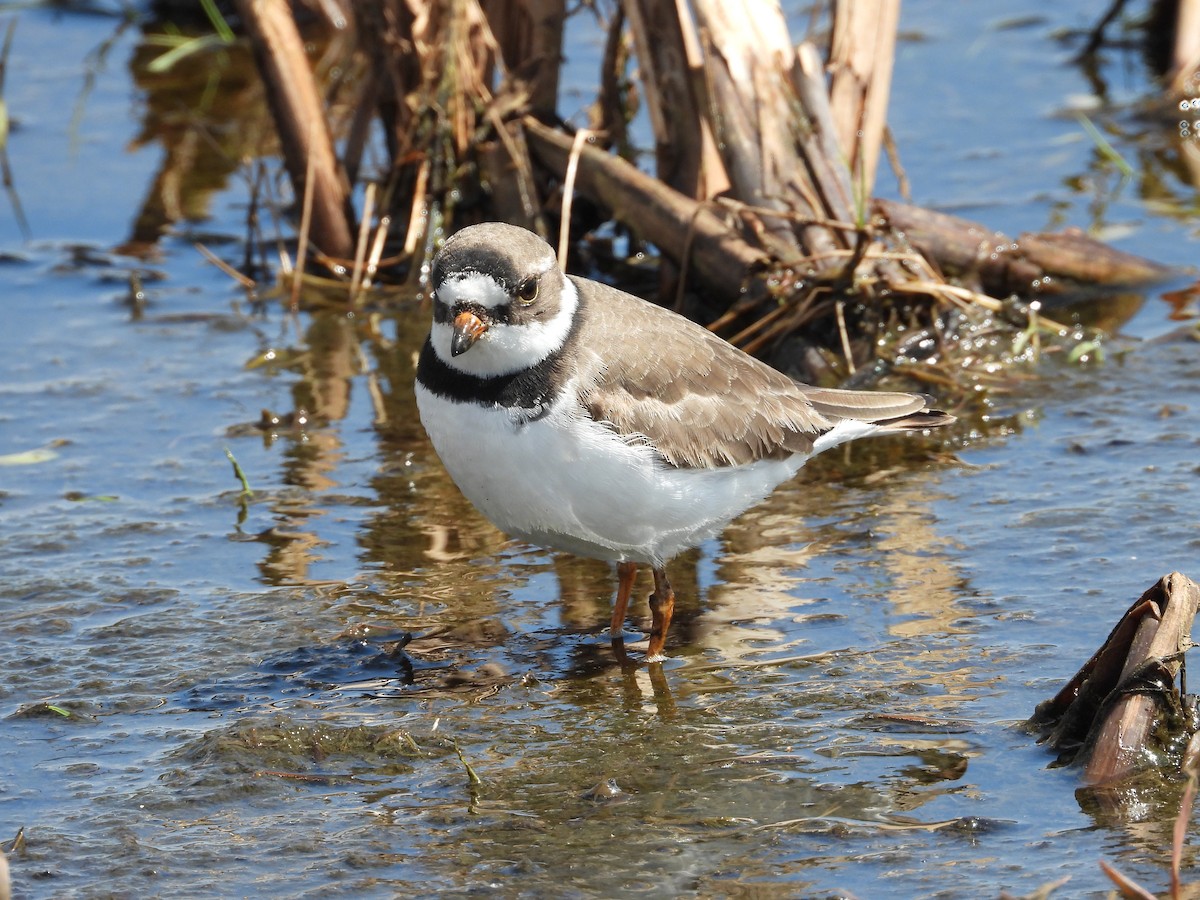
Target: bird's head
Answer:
[[501, 303]]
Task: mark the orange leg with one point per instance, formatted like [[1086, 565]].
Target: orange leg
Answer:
[[626, 573], [662, 604]]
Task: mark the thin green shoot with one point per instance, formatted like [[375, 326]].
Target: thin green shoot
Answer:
[[1086, 351], [220, 26], [182, 47], [1031, 337], [1106, 149], [241, 476], [473, 779]]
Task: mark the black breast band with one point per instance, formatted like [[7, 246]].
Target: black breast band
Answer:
[[532, 390]]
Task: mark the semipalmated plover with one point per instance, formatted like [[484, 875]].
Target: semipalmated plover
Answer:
[[579, 417]]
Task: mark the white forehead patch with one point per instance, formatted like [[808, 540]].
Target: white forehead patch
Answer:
[[473, 287], [504, 349]]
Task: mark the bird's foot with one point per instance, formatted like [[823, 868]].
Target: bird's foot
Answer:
[[662, 604]]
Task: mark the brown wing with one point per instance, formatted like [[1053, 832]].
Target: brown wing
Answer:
[[696, 399]]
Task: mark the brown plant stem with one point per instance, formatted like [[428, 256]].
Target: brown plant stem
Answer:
[[299, 117]]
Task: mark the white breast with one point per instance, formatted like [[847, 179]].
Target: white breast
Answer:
[[566, 482]]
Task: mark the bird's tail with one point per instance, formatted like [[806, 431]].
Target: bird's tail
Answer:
[[926, 418], [888, 411]]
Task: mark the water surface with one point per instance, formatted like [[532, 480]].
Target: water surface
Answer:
[[350, 684]]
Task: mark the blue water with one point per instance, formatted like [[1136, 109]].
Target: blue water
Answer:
[[245, 715]]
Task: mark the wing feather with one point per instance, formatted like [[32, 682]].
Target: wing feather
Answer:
[[702, 403]]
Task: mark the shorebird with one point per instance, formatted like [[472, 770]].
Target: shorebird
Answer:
[[582, 418]]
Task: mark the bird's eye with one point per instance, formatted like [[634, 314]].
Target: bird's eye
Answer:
[[527, 290]]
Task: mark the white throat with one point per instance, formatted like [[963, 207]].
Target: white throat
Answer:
[[503, 349]]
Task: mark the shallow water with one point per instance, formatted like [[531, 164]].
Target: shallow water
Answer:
[[350, 684]]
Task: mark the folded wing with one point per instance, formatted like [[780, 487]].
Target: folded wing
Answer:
[[701, 403]]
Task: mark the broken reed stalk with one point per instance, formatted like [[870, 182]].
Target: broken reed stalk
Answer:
[[299, 116], [1111, 717], [861, 56], [671, 66], [824, 156], [748, 54], [302, 238], [1003, 265], [376, 254], [1116, 749]]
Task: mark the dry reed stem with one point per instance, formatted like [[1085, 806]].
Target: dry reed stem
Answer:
[[272, 207], [740, 207], [376, 254], [302, 239], [299, 116], [714, 179], [582, 136], [684, 261], [245, 281], [747, 54], [653, 80], [965, 299], [782, 329], [803, 311], [818, 137], [754, 327], [723, 258], [840, 311], [671, 70], [518, 153], [1129, 888], [903, 186], [861, 58], [928, 376], [419, 208], [1191, 769], [360, 245]]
